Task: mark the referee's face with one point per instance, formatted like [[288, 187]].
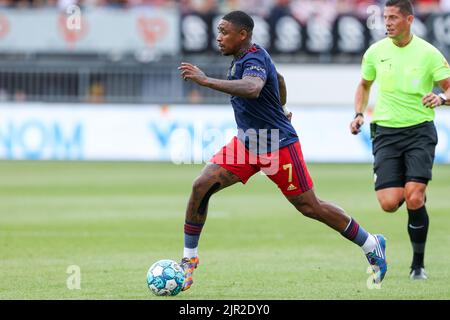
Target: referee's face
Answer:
[[398, 24]]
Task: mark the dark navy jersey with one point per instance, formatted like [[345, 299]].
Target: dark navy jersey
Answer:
[[257, 118]]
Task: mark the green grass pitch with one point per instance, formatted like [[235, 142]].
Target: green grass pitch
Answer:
[[114, 220]]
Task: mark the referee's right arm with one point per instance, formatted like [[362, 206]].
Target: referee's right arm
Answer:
[[361, 102]]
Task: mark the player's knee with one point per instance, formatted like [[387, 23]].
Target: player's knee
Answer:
[[308, 206], [307, 210], [200, 185], [204, 187]]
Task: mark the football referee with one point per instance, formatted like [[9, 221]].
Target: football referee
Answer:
[[403, 134]]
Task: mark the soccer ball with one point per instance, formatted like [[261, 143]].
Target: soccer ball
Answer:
[[165, 278]]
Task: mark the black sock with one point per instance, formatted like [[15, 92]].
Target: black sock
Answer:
[[417, 230]]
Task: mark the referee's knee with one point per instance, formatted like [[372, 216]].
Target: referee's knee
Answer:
[[390, 205], [415, 200]]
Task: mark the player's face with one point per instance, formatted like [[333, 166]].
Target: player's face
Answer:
[[398, 25], [230, 38]]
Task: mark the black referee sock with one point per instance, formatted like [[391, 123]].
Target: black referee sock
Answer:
[[417, 230]]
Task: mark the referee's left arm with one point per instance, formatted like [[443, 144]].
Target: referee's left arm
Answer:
[[432, 100], [441, 75], [445, 86]]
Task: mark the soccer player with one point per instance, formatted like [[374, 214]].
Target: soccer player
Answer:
[[257, 95], [403, 134]]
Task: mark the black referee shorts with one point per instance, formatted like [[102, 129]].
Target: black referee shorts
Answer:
[[403, 154]]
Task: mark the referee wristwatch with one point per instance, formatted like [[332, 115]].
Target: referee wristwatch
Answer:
[[443, 98]]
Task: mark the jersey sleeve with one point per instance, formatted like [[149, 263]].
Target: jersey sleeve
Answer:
[[255, 67], [368, 70], [440, 69]]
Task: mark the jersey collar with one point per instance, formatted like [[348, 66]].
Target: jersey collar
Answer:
[[252, 48]]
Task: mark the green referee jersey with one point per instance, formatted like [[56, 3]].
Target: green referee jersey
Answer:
[[404, 75]]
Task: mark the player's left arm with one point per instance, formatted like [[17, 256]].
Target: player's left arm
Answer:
[[283, 95], [282, 88], [247, 87]]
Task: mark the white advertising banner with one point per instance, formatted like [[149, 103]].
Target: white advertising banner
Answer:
[[103, 30], [182, 134]]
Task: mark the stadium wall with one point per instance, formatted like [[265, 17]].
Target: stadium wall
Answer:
[[181, 133], [338, 84]]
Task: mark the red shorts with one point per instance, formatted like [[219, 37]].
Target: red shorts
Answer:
[[286, 166]]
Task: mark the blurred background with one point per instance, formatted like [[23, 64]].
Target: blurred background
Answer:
[[98, 79]]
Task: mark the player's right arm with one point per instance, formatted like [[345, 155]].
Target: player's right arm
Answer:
[[247, 87], [361, 102]]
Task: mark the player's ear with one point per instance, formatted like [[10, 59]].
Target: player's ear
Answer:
[[243, 34]]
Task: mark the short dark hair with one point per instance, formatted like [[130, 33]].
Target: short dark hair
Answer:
[[405, 6], [240, 19]]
